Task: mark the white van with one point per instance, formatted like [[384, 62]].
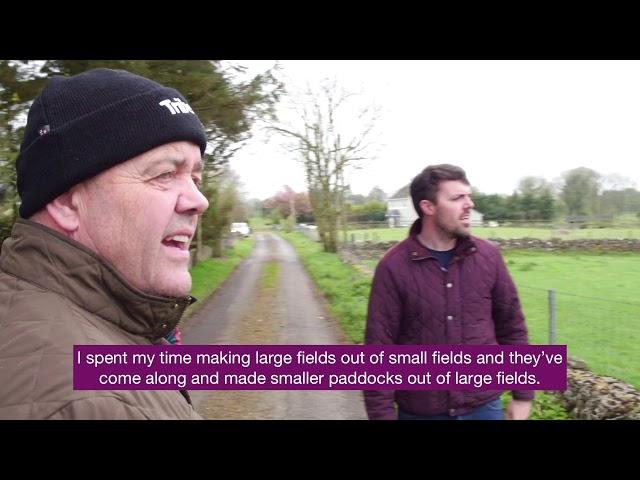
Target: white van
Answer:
[[241, 228]]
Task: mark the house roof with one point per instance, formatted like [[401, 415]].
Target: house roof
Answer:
[[402, 193]]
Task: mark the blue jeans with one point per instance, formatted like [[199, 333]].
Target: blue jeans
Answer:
[[489, 411]]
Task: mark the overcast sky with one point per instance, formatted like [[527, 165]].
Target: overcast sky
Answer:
[[499, 120]]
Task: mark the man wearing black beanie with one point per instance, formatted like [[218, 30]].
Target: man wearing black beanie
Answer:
[[108, 175]]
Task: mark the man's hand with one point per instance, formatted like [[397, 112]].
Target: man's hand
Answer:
[[518, 409]]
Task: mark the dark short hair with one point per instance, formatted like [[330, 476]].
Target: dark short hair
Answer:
[[425, 185]]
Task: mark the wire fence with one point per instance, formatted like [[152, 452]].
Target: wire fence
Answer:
[[604, 332]]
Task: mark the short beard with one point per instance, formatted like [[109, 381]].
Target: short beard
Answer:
[[462, 234], [456, 234]]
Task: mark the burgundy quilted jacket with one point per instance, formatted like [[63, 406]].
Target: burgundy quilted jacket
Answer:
[[414, 302]]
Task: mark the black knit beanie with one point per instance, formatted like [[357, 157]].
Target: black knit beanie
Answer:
[[82, 125]]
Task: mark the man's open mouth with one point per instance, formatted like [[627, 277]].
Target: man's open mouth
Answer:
[[177, 241]]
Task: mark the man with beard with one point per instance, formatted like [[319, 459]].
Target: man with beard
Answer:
[[441, 285]]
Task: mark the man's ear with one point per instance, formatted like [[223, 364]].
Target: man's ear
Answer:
[[64, 211], [427, 207]]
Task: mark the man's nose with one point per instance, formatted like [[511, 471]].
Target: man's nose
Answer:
[[192, 200]]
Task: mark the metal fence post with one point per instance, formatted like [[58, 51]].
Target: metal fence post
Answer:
[[552, 317]]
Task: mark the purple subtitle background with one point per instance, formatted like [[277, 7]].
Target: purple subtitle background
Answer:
[[365, 375]]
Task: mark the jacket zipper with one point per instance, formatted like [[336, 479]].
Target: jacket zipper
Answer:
[[184, 303]]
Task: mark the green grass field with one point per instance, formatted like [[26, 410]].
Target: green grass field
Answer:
[[399, 233], [598, 307]]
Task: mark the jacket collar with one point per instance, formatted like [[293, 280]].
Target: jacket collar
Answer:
[[54, 262], [417, 251]]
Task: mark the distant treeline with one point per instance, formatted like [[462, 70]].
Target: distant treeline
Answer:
[[545, 207]]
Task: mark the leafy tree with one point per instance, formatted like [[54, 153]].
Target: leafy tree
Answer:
[[547, 206], [351, 198], [223, 196], [536, 199], [611, 202], [492, 206], [19, 83], [513, 207], [377, 195], [255, 208], [275, 217], [240, 211], [287, 198], [533, 200], [631, 200], [289, 223], [369, 212], [615, 202], [580, 191]]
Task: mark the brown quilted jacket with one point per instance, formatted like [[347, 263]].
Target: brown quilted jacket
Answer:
[[54, 294]]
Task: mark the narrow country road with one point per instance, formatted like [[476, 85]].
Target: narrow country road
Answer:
[[246, 311]]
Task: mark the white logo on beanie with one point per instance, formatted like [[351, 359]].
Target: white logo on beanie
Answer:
[[176, 106]]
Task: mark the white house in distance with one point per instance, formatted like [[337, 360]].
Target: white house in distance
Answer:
[[400, 211]]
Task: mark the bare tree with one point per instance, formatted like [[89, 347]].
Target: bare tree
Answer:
[[329, 141]]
